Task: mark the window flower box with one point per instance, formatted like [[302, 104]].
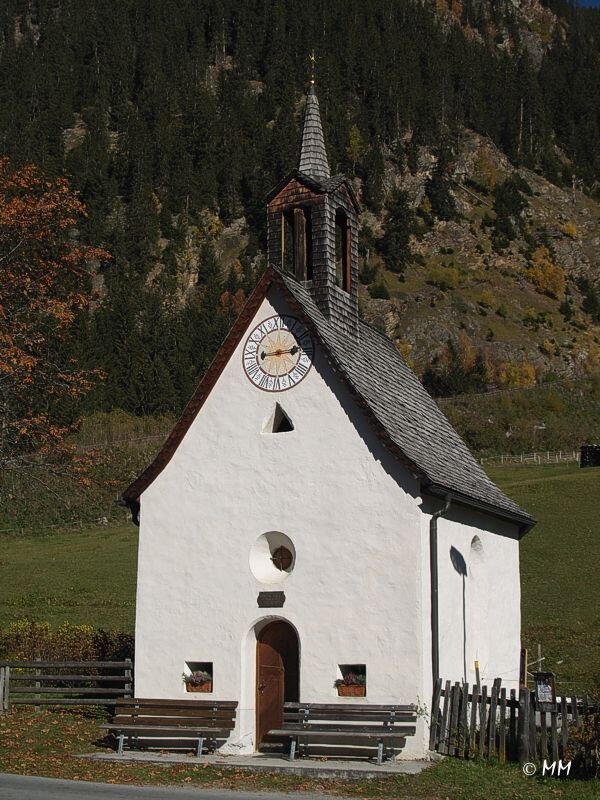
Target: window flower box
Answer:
[[198, 681], [353, 684], [199, 687], [351, 691]]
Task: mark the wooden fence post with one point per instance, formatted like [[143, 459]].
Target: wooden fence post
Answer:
[[532, 728], [554, 734], [473, 731], [523, 669], [564, 725], [6, 698], [523, 722], [543, 736], [463, 730], [513, 750], [443, 736], [575, 711], [502, 727], [482, 720], [38, 672], [453, 726], [435, 714], [2, 679], [492, 719]]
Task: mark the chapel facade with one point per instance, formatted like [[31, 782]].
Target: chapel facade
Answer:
[[313, 513]]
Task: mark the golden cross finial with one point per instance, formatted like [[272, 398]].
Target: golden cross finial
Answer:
[[313, 61]]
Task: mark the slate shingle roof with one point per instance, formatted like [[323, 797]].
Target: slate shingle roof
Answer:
[[313, 155], [385, 387], [377, 372]]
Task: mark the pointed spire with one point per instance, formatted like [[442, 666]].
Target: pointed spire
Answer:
[[313, 156]]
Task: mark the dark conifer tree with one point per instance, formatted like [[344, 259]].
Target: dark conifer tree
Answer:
[[437, 187], [394, 244]]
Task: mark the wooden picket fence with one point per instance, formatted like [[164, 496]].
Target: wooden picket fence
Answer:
[[483, 722], [64, 682]]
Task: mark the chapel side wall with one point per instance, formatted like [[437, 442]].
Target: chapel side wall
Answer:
[[479, 598], [351, 511]]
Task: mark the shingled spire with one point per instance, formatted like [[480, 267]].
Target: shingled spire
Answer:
[[312, 230], [313, 156]]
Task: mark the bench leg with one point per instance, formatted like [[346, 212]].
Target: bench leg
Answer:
[[120, 744], [379, 753], [199, 748], [293, 749]]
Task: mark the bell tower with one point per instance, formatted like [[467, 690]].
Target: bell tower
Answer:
[[313, 227]]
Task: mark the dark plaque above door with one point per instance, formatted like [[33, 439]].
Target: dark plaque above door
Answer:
[[271, 599]]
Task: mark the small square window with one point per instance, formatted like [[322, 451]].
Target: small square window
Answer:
[[198, 676], [352, 680]]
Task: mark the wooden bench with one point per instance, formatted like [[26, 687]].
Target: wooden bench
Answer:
[[345, 724], [173, 719]]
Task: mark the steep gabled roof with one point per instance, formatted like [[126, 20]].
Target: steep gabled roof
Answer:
[[319, 186], [403, 414]]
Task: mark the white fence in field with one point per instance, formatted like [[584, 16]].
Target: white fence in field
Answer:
[[543, 457]]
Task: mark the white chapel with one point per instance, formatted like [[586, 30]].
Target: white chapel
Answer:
[[313, 509]]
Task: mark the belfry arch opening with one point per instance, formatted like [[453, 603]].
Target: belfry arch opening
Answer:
[[342, 250], [296, 242]]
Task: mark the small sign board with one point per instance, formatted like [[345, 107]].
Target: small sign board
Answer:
[[590, 455], [271, 599], [545, 691]]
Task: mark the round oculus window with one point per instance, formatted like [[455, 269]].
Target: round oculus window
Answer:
[[272, 557]]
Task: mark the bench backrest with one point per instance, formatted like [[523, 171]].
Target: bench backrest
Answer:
[[200, 713], [311, 713]]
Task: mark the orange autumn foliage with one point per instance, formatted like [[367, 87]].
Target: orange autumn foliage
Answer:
[[44, 271]]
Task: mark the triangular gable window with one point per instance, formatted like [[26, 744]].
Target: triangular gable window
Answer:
[[278, 422]]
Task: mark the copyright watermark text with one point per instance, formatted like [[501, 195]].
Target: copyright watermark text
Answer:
[[556, 768]]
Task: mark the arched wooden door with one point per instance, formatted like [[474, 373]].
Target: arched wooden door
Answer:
[[277, 675]]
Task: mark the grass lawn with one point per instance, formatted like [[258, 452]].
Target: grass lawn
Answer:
[[44, 744], [79, 576], [560, 568], [88, 576]]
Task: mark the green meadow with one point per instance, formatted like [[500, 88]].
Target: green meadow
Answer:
[[88, 576], [80, 576], [560, 568]]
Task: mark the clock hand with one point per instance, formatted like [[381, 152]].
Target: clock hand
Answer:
[[293, 350]]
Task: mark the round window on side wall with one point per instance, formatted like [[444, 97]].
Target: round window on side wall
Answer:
[[272, 557]]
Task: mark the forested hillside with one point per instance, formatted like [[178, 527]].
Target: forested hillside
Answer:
[[173, 118]]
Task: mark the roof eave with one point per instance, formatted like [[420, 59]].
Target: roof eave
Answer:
[[312, 183], [352, 194], [523, 521]]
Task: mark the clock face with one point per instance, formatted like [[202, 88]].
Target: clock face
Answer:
[[278, 354]]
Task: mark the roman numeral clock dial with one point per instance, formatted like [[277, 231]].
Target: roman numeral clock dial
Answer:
[[278, 354]]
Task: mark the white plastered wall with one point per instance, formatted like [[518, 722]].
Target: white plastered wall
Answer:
[[351, 511], [479, 598], [492, 627]]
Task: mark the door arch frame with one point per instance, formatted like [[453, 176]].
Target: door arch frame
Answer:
[[248, 710]]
